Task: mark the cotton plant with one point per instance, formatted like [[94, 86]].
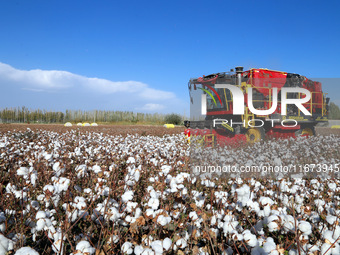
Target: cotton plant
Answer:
[[76, 181]]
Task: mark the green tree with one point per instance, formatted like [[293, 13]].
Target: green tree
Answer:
[[173, 118], [334, 112]]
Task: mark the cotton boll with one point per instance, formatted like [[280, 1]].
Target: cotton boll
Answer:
[[229, 227], [26, 251], [85, 247], [150, 213], [328, 235], [131, 160], [138, 249], [23, 171], [153, 203], [127, 196], [249, 238], [5, 244], [243, 194], [40, 224], [34, 178], [273, 226], [331, 219], [40, 215], [167, 243], [130, 206], [305, 227], [269, 245], [193, 216], [327, 250], [114, 213], [162, 220], [148, 251], [181, 243], [157, 246]]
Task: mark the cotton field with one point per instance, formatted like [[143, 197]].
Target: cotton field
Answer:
[[85, 191]]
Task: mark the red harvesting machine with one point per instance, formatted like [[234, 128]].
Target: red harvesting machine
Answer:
[[248, 126]]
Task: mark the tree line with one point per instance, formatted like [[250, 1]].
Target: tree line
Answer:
[[334, 112], [25, 115]]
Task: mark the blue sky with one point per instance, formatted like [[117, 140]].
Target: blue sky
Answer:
[[139, 55]]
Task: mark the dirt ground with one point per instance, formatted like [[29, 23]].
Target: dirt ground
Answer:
[[327, 131]]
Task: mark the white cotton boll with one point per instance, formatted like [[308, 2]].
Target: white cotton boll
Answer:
[[49, 188], [264, 201], [305, 227], [249, 238], [154, 194], [328, 235], [85, 248], [114, 239], [138, 213], [138, 250], [129, 219], [47, 156], [153, 203], [166, 169], [327, 250], [236, 236], [131, 160], [213, 220], [127, 196], [57, 169], [2, 225], [5, 244], [157, 246], [87, 191], [22, 171], [150, 213], [162, 220], [114, 213], [193, 216], [336, 233], [10, 188], [127, 248], [148, 251], [269, 245], [26, 251], [332, 186], [273, 226], [167, 243], [40, 224], [96, 169], [40, 215], [331, 219], [34, 178], [181, 243], [130, 206], [243, 194], [229, 227]]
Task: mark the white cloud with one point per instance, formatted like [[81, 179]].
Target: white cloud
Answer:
[[152, 107], [53, 89], [57, 80]]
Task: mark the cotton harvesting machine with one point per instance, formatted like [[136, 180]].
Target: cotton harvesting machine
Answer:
[[217, 123]]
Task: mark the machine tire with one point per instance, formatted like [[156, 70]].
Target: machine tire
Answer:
[[308, 130], [255, 134]]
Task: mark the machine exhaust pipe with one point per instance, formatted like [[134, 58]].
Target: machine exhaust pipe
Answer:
[[239, 71]]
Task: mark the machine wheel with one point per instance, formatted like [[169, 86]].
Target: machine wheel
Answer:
[[255, 134], [306, 131]]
